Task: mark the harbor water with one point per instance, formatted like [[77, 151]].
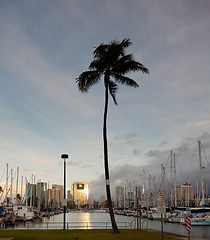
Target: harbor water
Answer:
[[178, 228], [90, 220]]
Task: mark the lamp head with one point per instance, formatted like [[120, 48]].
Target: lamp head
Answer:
[[65, 156]]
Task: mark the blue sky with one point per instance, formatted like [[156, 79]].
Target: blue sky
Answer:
[[45, 45]]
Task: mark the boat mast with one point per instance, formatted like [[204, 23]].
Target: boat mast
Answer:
[[31, 187], [197, 195], [175, 200], [6, 184], [150, 190], [17, 186], [34, 196], [144, 199], [163, 179], [155, 191], [206, 189], [171, 178], [26, 194], [201, 173], [11, 186], [21, 189]]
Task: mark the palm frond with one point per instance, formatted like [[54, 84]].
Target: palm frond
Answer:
[[122, 60], [87, 79], [97, 65], [123, 67], [100, 50], [111, 52], [126, 43], [113, 87], [121, 46], [125, 80]]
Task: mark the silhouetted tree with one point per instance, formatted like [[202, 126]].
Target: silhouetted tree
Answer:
[[110, 61]]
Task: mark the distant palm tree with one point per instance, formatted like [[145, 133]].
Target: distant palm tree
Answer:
[[110, 61]]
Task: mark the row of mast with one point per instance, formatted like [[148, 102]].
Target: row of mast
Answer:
[[173, 181], [9, 187], [173, 190]]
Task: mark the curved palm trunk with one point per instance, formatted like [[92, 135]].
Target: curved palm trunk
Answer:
[[106, 166]]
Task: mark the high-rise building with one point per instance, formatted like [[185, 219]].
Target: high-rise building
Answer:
[[80, 193], [102, 201], [185, 194], [54, 200], [30, 194], [41, 187], [60, 192], [69, 196], [121, 196]]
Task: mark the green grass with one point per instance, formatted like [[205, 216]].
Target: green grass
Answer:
[[82, 235]]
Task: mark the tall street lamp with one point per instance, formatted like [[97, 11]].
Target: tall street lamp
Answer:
[[64, 156]]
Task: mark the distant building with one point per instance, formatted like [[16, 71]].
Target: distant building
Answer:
[[90, 201], [53, 196], [140, 191], [30, 194], [69, 195], [60, 192], [131, 195], [121, 196], [41, 187], [80, 193], [130, 199], [102, 201], [185, 194]]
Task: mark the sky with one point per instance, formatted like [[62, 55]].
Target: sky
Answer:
[[46, 45]]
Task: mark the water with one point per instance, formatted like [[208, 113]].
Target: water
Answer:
[[102, 220], [75, 220], [177, 228]]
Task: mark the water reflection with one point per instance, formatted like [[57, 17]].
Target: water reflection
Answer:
[[85, 217]]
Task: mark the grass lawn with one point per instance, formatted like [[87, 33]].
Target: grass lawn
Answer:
[[82, 235]]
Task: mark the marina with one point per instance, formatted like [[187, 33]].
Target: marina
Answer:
[[101, 220], [140, 207]]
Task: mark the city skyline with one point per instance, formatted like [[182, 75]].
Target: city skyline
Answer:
[[46, 45], [148, 185], [41, 194]]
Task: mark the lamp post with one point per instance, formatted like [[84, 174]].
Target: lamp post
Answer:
[[64, 156]]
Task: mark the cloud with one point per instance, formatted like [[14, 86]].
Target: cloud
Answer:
[[155, 154], [128, 140], [87, 166], [25, 59], [187, 167], [163, 143], [136, 152], [74, 163]]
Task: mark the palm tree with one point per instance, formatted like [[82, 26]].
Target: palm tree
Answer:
[[109, 61]]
